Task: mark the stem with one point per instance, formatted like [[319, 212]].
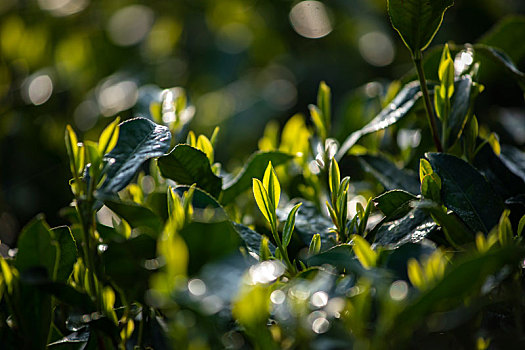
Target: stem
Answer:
[[86, 221], [430, 113], [283, 251]]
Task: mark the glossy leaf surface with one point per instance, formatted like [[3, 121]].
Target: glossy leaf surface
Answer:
[[187, 165], [466, 192], [139, 140], [417, 21]]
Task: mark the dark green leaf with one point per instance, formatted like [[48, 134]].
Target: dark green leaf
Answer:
[[139, 140], [460, 281], [391, 114], [389, 175], [125, 263], [36, 248], [505, 35], [417, 21], [502, 172], [514, 159], [460, 105], [135, 214], [251, 239], [412, 227], [253, 168], [187, 165], [341, 256], [502, 59], [68, 252], [209, 242], [465, 191], [395, 203], [68, 295], [308, 222]]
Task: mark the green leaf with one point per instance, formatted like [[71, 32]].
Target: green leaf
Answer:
[[315, 245], [456, 232], [262, 200], [505, 233], [446, 74], [323, 102], [340, 256], [209, 242], [108, 138], [389, 175], [187, 165], [417, 21], [424, 168], [139, 140], [502, 172], [461, 280], [253, 240], [521, 226], [334, 177], [412, 227], [461, 103], [431, 187], [272, 186], [400, 106], [466, 192], [391, 202], [289, 225], [514, 159], [124, 262], [68, 252], [318, 120], [36, 248], [253, 167], [135, 215], [264, 249], [366, 256]]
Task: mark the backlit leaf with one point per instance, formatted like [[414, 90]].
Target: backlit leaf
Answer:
[[289, 225]]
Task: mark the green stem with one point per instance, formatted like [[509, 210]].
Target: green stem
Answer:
[[428, 105], [283, 251], [86, 221]]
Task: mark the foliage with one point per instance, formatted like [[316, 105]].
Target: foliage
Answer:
[[168, 249]]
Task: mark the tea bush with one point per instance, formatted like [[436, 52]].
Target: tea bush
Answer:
[[168, 249]]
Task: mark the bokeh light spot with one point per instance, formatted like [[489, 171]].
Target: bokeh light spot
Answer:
[[130, 25], [377, 48], [310, 19]]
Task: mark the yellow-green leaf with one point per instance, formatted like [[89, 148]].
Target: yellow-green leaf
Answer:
[[415, 274], [446, 74], [271, 184], [261, 198], [205, 145], [364, 253], [315, 245], [335, 177], [108, 138], [424, 168]]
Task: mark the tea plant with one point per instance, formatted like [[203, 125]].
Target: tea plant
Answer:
[[167, 249]]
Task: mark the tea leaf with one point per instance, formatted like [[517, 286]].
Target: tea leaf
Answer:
[[262, 200], [68, 252], [253, 167], [400, 106], [323, 102], [289, 225], [390, 203], [367, 257], [389, 175], [466, 192], [334, 177], [417, 21], [187, 165], [139, 140], [460, 104], [36, 247], [108, 138], [272, 186], [135, 214], [315, 245], [264, 249]]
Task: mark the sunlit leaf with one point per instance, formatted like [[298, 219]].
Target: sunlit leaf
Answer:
[[272, 186], [315, 245], [139, 140], [400, 106], [108, 138], [188, 165], [289, 226], [366, 256], [417, 21], [466, 192], [262, 200]]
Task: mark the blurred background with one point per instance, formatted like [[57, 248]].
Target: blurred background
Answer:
[[242, 63]]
